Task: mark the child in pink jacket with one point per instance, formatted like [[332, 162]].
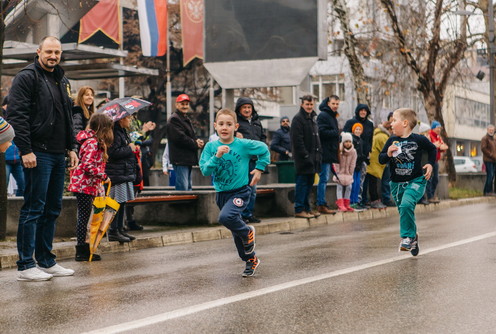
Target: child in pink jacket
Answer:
[[86, 180], [344, 170]]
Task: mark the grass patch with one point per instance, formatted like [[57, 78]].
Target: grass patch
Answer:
[[457, 193]]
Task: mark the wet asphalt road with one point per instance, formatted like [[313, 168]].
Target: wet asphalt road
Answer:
[[341, 278]]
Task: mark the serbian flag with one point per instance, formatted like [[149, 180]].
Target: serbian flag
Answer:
[[192, 29], [153, 27], [104, 16]]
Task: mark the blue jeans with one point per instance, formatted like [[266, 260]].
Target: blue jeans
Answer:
[[231, 204], [488, 186], [42, 206], [183, 177], [385, 186], [355, 187], [323, 179], [248, 212], [433, 181], [17, 171], [303, 188]]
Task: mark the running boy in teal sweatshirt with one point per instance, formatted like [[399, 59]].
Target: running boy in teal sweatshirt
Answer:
[[227, 160]]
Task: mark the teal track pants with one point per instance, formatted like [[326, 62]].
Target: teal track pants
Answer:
[[406, 195]]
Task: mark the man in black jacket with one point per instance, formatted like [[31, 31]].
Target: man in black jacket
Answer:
[[329, 138], [307, 154], [40, 112], [281, 141], [250, 127], [183, 144]]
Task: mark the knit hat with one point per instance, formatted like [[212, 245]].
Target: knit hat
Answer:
[[284, 117], [435, 124], [423, 127], [6, 131], [346, 136], [356, 125]]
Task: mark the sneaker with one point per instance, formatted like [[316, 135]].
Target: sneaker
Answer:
[[251, 266], [249, 243], [377, 205], [252, 220], [57, 271], [406, 244], [33, 275], [415, 247], [356, 207], [390, 203], [434, 200]]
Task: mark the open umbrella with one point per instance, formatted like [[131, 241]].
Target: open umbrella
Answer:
[[104, 210], [119, 108]]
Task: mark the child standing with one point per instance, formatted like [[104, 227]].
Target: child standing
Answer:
[[344, 171], [358, 176], [227, 159], [86, 180], [403, 151]]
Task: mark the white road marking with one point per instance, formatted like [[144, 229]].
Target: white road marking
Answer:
[[135, 324]]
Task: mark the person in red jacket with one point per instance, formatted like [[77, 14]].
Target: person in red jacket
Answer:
[[437, 140], [86, 180]]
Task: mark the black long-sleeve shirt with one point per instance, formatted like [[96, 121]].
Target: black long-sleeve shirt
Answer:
[[407, 165]]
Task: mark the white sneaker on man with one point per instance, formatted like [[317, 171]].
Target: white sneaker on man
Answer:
[[33, 275], [58, 271]]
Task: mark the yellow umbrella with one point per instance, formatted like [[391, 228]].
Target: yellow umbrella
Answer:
[[104, 210]]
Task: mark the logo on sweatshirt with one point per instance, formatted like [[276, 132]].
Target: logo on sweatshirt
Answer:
[[238, 202]]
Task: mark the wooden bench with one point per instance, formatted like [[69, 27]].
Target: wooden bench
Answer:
[[265, 192], [163, 199]]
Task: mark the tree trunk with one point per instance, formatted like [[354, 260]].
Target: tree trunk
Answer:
[[350, 43]]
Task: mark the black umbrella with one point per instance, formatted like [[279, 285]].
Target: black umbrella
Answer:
[[120, 108]]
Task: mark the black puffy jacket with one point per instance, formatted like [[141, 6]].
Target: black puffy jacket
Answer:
[[328, 132], [121, 165], [79, 122], [307, 152], [31, 109], [368, 128]]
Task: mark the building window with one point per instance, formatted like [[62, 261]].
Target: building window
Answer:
[[471, 113], [326, 85]]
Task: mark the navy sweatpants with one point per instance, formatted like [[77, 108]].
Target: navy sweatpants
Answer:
[[231, 204]]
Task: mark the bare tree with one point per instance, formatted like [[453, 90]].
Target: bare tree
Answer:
[[350, 50], [431, 59]]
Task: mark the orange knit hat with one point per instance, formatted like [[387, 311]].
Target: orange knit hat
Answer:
[[356, 125]]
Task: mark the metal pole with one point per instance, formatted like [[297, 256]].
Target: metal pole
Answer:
[[211, 105], [492, 53], [168, 87]]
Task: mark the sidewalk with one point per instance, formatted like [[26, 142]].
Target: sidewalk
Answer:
[[161, 236]]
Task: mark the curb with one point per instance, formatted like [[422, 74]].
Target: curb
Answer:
[[66, 250]]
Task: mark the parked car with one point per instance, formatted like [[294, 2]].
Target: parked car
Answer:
[[464, 165], [479, 163]]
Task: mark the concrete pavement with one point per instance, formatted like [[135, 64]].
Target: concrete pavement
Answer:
[[161, 236]]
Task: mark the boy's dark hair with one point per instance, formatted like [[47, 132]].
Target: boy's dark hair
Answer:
[[308, 98], [334, 97]]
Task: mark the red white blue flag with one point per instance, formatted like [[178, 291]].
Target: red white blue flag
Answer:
[[153, 27]]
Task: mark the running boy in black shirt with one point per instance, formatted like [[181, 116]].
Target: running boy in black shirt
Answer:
[[403, 151]]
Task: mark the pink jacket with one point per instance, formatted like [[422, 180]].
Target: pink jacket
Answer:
[[88, 176], [346, 166]]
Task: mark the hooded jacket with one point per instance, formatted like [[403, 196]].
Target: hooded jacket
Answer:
[[328, 132], [122, 163], [381, 135], [368, 128], [88, 176], [250, 129], [307, 151], [181, 137]]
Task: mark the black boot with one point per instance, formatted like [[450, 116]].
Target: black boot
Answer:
[[83, 253], [134, 226], [127, 235], [115, 235]]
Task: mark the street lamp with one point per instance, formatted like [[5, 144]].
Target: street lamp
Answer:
[[491, 54]]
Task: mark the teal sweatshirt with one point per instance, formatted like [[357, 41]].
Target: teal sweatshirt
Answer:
[[231, 171]]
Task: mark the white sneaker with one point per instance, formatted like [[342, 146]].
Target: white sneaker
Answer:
[[34, 275], [58, 271]]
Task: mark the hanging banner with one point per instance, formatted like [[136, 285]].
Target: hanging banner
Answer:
[[105, 16], [192, 13], [153, 27]]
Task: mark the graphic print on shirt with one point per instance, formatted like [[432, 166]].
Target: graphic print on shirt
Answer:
[[405, 161], [227, 168]]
